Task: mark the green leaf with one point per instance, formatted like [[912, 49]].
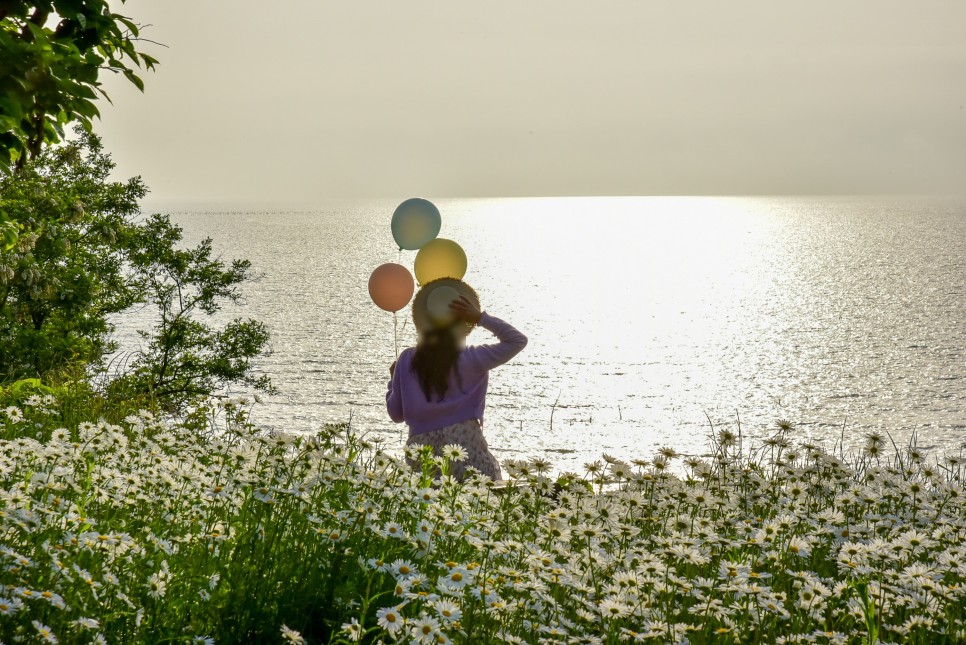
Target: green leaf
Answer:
[[28, 384], [9, 235], [58, 77], [134, 78], [127, 23]]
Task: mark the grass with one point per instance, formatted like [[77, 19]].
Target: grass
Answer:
[[162, 532]]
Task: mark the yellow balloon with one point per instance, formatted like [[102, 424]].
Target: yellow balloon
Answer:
[[440, 258]]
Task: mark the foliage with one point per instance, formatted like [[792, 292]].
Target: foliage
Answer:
[[185, 359], [151, 532], [51, 56], [78, 399], [85, 255], [66, 274]]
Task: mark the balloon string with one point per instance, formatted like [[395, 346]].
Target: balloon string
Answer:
[[395, 321], [395, 339]]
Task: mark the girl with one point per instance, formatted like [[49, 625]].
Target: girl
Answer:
[[439, 387]]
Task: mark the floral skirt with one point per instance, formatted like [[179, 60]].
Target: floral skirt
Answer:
[[467, 434]]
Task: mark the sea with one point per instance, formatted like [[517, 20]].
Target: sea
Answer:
[[651, 320]]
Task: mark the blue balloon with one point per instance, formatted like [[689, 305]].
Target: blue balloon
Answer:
[[414, 223]]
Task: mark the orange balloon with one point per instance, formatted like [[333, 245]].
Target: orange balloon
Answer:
[[391, 286]]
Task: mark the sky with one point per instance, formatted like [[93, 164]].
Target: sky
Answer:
[[318, 99]]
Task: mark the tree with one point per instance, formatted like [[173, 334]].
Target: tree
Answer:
[[185, 359], [51, 56], [66, 274], [86, 254], [73, 250]]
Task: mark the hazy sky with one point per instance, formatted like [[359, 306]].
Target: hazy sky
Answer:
[[300, 100]]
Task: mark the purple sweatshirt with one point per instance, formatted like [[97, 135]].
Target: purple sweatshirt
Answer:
[[406, 401]]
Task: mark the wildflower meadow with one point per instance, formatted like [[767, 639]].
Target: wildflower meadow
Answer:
[[157, 532]]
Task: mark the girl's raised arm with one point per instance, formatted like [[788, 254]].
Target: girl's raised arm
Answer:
[[486, 357]]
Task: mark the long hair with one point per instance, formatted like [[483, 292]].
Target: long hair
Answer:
[[435, 359]]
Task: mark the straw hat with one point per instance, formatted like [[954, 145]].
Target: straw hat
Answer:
[[431, 305]]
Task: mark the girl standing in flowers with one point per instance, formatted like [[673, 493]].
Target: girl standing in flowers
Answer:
[[439, 386]]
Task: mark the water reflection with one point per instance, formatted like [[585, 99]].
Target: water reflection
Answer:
[[646, 316]]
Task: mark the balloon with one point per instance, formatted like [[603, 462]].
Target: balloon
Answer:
[[438, 305], [440, 259], [414, 223], [391, 286]]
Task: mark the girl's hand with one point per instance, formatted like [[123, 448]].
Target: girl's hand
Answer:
[[392, 369], [466, 310]]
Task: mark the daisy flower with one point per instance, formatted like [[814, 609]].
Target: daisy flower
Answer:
[[389, 619], [291, 636], [424, 629], [43, 631], [447, 610], [353, 630]]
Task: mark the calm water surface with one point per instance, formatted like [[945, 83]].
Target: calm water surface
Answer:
[[646, 317]]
